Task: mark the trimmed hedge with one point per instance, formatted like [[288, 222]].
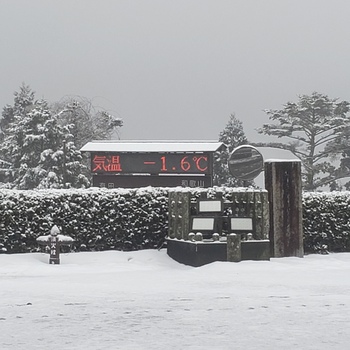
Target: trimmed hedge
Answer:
[[133, 219], [96, 219], [326, 222]]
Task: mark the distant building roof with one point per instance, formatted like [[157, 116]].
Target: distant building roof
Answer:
[[152, 146]]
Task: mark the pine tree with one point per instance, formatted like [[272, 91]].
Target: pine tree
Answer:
[[232, 136], [317, 130]]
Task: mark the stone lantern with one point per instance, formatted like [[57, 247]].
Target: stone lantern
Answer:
[[54, 241]]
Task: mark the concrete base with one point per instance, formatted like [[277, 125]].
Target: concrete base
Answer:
[[255, 250], [205, 252], [54, 261]]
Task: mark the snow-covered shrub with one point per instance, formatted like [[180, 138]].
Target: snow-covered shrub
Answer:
[[96, 219], [326, 222], [132, 219]]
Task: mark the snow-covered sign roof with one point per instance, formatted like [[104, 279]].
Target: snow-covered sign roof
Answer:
[[274, 154], [152, 146]]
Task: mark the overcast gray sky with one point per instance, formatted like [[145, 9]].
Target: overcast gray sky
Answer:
[[177, 69]]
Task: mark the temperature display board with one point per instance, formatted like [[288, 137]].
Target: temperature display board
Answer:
[[151, 163]]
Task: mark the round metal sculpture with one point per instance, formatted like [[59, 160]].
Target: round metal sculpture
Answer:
[[245, 163]]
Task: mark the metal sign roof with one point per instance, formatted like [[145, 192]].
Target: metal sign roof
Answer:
[[152, 146]]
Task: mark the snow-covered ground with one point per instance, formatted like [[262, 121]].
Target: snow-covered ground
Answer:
[[145, 300]]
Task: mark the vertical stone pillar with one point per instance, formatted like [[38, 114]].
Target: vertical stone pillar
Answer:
[[234, 248], [172, 214], [184, 198], [283, 183], [179, 214]]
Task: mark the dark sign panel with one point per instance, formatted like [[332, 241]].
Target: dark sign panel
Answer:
[[151, 163], [133, 181]]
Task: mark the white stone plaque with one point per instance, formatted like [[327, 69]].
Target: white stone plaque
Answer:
[[241, 224], [210, 206], [202, 224]]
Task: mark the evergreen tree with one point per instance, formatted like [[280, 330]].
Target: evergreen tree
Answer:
[[318, 131], [232, 136], [62, 168], [23, 103], [41, 151]]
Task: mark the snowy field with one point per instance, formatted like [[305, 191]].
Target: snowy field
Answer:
[[145, 300]]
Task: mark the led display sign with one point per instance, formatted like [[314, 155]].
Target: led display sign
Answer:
[[151, 163]]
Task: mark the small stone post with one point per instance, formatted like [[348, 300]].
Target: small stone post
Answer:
[[54, 245], [234, 248], [283, 183]]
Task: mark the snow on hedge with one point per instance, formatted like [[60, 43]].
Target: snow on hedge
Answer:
[[133, 219], [326, 221], [97, 219]]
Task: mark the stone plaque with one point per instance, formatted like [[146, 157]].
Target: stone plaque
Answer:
[[210, 206], [241, 224], [206, 224]]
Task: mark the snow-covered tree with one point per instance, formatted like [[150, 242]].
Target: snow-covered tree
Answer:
[[232, 136], [316, 129], [23, 103], [86, 122], [63, 167], [41, 151]]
